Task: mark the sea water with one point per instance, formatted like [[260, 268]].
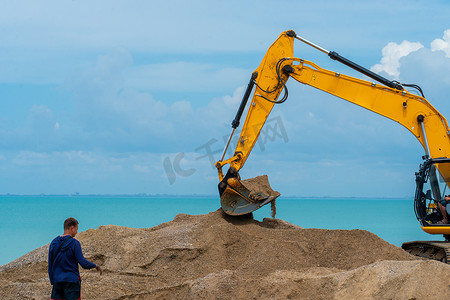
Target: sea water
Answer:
[[28, 222]]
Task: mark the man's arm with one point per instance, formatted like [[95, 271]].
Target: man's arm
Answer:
[[84, 263], [50, 262]]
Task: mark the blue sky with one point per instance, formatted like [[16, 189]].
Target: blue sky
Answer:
[[127, 96]]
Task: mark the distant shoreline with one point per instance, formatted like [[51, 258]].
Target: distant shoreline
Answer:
[[144, 195]]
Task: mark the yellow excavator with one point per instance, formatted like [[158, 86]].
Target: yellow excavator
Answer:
[[388, 98]]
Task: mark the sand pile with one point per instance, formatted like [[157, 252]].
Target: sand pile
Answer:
[[219, 257], [260, 185]]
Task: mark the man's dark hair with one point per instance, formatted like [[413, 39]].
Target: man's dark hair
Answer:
[[69, 222]]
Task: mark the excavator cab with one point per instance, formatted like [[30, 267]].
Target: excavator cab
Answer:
[[432, 184]]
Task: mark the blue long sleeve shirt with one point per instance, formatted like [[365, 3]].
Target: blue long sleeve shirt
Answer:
[[63, 266]]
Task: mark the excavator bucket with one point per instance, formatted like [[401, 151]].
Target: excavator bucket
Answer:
[[246, 196]]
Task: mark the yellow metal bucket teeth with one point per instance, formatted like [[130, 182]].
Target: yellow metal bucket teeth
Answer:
[[237, 199]]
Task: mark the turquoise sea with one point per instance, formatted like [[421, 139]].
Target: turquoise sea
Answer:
[[28, 222]]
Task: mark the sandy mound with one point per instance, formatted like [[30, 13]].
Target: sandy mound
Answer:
[[219, 257], [260, 185]]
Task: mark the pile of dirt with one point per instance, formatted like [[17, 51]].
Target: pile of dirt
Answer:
[[260, 185], [261, 190], [215, 256]]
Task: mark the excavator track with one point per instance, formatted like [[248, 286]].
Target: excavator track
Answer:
[[436, 250]]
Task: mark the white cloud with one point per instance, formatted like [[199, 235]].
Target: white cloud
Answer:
[[115, 106], [392, 53], [184, 76], [83, 171], [442, 44], [106, 113], [141, 168]]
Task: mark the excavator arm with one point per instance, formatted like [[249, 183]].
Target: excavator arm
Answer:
[[387, 98], [236, 198], [268, 87]]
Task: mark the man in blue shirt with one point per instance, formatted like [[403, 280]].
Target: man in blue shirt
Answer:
[[64, 255]]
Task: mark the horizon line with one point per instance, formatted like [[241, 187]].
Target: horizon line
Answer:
[[143, 195]]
